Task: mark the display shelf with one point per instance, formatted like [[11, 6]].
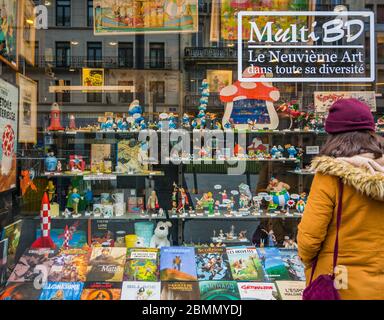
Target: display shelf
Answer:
[[231, 242], [236, 217], [114, 218], [95, 177], [204, 160], [302, 172]]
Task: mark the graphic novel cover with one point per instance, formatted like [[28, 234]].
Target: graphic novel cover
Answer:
[[219, 290], [20, 291], [101, 291], [3, 260], [106, 264], [142, 265], [133, 290], [102, 233], [180, 290], [212, 264], [69, 265], [272, 263], [290, 290], [245, 264], [257, 291], [34, 263], [77, 235], [62, 291], [12, 233], [177, 264], [293, 264]]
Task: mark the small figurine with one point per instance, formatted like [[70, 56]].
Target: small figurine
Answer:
[[76, 163], [291, 151], [275, 153], [174, 196], [75, 199], [242, 235], [380, 124], [279, 192], [55, 118], [224, 196], [59, 166], [289, 243], [185, 121], [72, 122], [245, 196], [50, 162], [153, 202], [300, 206], [183, 200], [50, 190], [88, 196]]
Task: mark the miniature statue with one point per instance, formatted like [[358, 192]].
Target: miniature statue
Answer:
[[224, 196], [242, 235], [292, 152], [271, 240], [88, 196], [75, 199], [279, 192], [183, 200], [72, 122], [153, 202], [50, 162], [300, 206], [55, 118], [221, 234], [185, 121], [245, 196], [174, 196], [76, 163], [59, 166], [289, 243], [50, 190]]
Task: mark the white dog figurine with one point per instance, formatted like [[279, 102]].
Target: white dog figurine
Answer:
[[160, 237]]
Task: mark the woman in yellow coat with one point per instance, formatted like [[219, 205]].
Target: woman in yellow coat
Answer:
[[354, 154]]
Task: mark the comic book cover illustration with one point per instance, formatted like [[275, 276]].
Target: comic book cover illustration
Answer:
[[245, 264], [272, 263], [134, 290], [20, 291], [142, 265], [293, 264], [62, 291], [101, 291], [212, 264], [180, 290], [219, 290], [177, 264]]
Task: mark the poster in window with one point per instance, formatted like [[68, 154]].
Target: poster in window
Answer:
[[8, 135], [145, 16], [93, 77], [230, 8], [27, 109], [324, 100], [218, 79], [27, 31], [8, 33]]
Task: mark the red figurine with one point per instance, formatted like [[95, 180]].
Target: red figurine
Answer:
[[55, 118]]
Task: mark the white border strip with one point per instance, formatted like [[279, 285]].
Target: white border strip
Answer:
[[364, 14]]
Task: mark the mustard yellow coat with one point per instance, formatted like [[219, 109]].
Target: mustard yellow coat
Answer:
[[361, 235]]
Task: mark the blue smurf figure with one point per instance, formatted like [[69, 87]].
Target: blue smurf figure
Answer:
[[292, 152]]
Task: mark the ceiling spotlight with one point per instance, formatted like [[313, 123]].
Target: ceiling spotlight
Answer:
[[113, 43], [74, 43]]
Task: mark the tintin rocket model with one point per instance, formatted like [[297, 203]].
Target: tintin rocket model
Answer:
[[45, 240]]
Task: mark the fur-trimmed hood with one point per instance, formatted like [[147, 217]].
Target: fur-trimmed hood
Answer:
[[364, 181]]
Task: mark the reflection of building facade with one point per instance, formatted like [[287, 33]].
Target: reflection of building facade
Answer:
[[150, 63]]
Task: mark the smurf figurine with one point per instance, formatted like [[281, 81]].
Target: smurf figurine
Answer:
[[185, 121], [172, 122], [50, 162], [108, 124], [123, 124], [135, 111], [276, 152], [292, 152]]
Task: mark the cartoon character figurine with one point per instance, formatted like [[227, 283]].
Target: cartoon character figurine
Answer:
[[183, 200], [75, 199], [153, 202], [50, 190], [50, 162], [279, 192], [292, 152]]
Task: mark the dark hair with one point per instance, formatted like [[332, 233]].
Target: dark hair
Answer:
[[349, 144]]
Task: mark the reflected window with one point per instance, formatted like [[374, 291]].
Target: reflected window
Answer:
[[90, 13], [63, 54], [94, 54], [63, 13], [64, 96], [156, 55], [125, 54], [157, 89], [380, 13]]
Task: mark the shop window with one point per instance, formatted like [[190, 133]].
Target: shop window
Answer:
[[125, 97], [63, 13], [157, 88], [156, 55], [125, 54], [63, 54], [380, 13], [94, 54], [64, 96], [90, 13]]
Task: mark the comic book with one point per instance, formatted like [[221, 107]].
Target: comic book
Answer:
[[142, 265], [257, 291], [290, 290], [20, 291], [219, 290], [293, 264], [142, 290], [12, 233], [180, 290], [106, 264], [245, 264], [62, 291], [69, 265], [102, 233], [77, 233], [3, 260], [212, 264], [273, 264], [177, 264], [34, 263], [101, 291]]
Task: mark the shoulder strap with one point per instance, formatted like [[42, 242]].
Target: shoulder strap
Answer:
[[338, 223]]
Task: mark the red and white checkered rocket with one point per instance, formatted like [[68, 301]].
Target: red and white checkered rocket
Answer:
[[66, 237], [45, 240]]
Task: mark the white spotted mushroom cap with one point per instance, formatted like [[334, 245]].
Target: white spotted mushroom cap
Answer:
[[250, 90]]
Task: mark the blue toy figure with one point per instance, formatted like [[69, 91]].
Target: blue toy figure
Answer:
[[292, 152], [50, 162], [186, 121]]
